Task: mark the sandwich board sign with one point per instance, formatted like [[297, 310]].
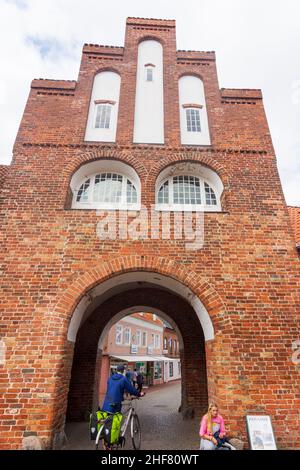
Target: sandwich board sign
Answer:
[[260, 432]]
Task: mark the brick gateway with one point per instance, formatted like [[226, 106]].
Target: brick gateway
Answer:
[[235, 301]]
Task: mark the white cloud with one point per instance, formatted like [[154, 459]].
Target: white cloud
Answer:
[[256, 44]]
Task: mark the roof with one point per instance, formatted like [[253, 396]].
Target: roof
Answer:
[[148, 317], [294, 212]]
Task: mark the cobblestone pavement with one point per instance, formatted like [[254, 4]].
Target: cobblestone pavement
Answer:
[[162, 425]]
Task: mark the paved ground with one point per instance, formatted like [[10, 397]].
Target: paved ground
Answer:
[[162, 425]]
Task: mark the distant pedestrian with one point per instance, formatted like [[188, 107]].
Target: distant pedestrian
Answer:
[[140, 381], [134, 378]]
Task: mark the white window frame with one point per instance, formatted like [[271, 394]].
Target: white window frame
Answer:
[[197, 110], [145, 335], [152, 68], [91, 170], [171, 368], [106, 205], [127, 343], [138, 337], [119, 331], [156, 341], [97, 106], [171, 206]]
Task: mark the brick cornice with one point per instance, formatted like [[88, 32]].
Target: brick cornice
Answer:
[[159, 148]]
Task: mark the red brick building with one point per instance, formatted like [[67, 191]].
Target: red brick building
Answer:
[[294, 212], [146, 125], [137, 342]]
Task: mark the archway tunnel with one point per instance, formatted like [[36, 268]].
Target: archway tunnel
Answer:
[[129, 294]]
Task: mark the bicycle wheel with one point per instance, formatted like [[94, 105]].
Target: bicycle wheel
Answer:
[[135, 431]]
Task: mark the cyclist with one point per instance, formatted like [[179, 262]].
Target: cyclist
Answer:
[[117, 385]]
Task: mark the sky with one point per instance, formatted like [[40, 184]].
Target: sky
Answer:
[[257, 45]]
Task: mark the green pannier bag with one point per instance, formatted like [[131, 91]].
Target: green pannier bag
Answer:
[[112, 428], [95, 425]]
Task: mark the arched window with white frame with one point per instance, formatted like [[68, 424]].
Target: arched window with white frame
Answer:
[[188, 187], [149, 95], [103, 110], [106, 184], [193, 113]]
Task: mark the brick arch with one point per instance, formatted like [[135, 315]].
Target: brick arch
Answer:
[[84, 384], [151, 37], [83, 283], [102, 154], [192, 73], [201, 158], [107, 69]]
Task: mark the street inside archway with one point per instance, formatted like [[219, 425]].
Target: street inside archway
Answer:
[[163, 427]]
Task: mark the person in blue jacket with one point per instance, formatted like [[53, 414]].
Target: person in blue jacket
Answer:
[[117, 385]]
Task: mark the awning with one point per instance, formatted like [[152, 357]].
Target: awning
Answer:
[[134, 358], [166, 359]]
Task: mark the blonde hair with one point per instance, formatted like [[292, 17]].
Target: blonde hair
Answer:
[[209, 416]]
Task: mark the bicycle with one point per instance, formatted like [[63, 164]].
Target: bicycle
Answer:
[[129, 416]]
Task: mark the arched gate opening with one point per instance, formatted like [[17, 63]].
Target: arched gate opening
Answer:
[[123, 295]]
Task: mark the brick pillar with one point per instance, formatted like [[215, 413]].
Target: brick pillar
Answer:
[[103, 374]]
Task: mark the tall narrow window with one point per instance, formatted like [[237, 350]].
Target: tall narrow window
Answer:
[[127, 336], [193, 120], [149, 74], [103, 115], [119, 330], [138, 337], [156, 342]]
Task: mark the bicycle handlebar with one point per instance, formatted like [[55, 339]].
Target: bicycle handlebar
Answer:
[[131, 399]]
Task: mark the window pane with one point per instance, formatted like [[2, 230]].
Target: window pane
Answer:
[[103, 114], [131, 193], [186, 190], [127, 336], [193, 120], [149, 74], [163, 194], [210, 196], [107, 188], [83, 193], [119, 334]]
